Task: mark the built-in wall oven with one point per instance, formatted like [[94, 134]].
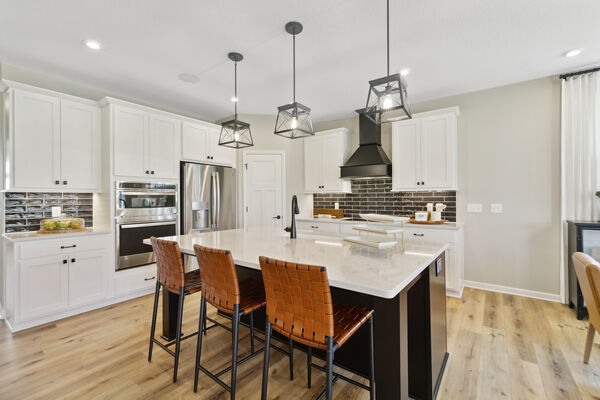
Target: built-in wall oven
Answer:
[[143, 210]]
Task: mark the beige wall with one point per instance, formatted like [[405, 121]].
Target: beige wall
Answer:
[[508, 153]]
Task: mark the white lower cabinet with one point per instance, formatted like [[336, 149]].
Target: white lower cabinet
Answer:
[[57, 277], [43, 286]]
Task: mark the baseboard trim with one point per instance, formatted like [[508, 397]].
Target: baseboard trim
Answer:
[[514, 291], [454, 293], [15, 327]]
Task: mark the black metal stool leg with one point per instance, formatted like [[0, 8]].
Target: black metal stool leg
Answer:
[[252, 332], [329, 378], [178, 337], [309, 364], [372, 356], [202, 325], [265, 378], [291, 359], [235, 328], [153, 326]]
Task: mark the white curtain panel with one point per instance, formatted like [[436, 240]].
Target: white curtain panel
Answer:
[[580, 154]]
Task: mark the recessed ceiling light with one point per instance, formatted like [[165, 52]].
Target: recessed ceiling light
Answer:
[[572, 53], [94, 45], [234, 99], [188, 78], [405, 71]]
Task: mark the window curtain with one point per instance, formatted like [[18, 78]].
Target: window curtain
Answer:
[[580, 155]]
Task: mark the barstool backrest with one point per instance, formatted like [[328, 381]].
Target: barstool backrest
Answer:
[[220, 286], [298, 299], [170, 272], [588, 275]]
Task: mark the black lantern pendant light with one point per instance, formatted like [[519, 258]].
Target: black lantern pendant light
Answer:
[[387, 94], [235, 133], [293, 120]]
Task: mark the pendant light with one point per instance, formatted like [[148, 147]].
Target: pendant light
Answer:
[[387, 94], [293, 120], [235, 133]]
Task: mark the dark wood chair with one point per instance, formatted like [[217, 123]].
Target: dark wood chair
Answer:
[[221, 288], [172, 277], [299, 307]]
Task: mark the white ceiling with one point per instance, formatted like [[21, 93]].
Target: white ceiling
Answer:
[[451, 47]]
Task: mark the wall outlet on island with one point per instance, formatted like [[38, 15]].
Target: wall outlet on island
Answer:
[[474, 208]]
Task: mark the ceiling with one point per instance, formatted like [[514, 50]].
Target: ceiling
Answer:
[[451, 47]]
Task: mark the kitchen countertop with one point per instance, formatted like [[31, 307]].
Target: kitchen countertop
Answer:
[[355, 268], [447, 225], [24, 236]]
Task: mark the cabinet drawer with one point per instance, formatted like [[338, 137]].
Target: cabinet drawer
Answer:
[[429, 234], [67, 245], [318, 227], [135, 279]]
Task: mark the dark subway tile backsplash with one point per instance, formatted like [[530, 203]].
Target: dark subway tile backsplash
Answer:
[[375, 196]]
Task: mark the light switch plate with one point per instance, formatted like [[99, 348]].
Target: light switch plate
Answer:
[[496, 208], [474, 208]]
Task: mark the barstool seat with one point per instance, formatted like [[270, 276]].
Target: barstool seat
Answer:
[[193, 283]]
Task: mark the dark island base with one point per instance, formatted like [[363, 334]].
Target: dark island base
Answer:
[[410, 334]]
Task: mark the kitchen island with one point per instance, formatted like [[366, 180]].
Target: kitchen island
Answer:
[[406, 290]]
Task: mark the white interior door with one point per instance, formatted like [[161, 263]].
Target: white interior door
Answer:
[[263, 189]]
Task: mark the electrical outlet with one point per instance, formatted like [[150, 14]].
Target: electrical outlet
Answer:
[[496, 208], [474, 208]]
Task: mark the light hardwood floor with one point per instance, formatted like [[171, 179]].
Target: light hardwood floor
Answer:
[[501, 347]]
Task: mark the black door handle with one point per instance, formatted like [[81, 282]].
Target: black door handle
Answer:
[[277, 217]]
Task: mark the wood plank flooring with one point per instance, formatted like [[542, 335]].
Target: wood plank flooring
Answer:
[[501, 347]]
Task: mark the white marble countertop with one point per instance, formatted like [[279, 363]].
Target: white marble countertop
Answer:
[[359, 269], [447, 225], [24, 236]]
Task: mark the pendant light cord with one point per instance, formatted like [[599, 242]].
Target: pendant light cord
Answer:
[[235, 89], [294, 63], [388, 37]]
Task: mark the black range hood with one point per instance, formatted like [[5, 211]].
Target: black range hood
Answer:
[[369, 160]]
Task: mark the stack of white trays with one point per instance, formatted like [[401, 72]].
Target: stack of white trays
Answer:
[[375, 236]]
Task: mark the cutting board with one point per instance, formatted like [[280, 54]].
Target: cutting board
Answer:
[[337, 214]]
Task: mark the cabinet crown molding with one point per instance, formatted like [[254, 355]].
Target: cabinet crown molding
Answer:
[[450, 110], [6, 84], [334, 130]]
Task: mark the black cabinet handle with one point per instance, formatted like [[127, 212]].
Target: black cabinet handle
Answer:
[[65, 261], [418, 234], [57, 182], [147, 171], [422, 183], [64, 182], [314, 227], [68, 247], [72, 260], [151, 172], [150, 279]]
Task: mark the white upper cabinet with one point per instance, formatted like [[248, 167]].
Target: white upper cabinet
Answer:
[[52, 143], [79, 145], [200, 143], [163, 143], [145, 144], [324, 154], [194, 139], [424, 151]]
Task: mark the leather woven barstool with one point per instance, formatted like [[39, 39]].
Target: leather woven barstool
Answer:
[[172, 277], [299, 306], [221, 288]]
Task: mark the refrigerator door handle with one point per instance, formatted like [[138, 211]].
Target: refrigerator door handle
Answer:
[[218, 213], [213, 208]]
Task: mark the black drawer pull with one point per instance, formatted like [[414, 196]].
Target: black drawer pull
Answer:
[[64, 182], [65, 261], [72, 260], [418, 234], [314, 227], [150, 279], [68, 247]]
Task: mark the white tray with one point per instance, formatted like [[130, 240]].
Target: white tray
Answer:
[[384, 218], [370, 243], [377, 229]]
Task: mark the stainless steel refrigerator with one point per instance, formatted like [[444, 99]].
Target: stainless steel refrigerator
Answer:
[[208, 198]]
